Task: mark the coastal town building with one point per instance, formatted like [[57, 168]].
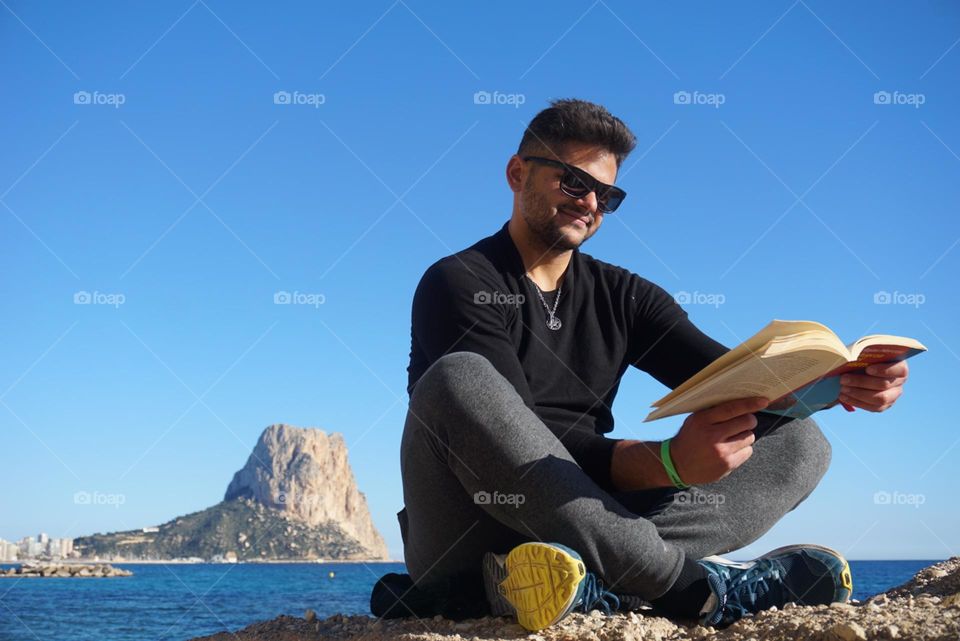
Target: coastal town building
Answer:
[[41, 546]]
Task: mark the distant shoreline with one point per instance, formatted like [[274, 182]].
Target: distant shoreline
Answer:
[[189, 562]]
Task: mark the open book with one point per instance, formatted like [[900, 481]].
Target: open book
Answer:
[[795, 364]]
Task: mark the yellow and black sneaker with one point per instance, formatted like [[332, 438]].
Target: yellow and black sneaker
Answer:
[[803, 574], [541, 583]]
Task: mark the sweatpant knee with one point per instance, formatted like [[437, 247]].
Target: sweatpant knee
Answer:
[[807, 455], [451, 376]]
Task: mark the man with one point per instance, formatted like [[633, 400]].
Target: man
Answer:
[[518, 347]]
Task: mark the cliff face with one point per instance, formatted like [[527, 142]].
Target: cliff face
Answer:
[[305, 474], [241, 528], [295, 499]]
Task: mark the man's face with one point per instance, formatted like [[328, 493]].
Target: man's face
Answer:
[[558, 221]]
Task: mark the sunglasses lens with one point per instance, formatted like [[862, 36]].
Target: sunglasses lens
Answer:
[[611, 200], [573, 185], [577, 184]]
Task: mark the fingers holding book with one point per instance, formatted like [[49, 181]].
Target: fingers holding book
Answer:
[[715, 441], [877, 389]]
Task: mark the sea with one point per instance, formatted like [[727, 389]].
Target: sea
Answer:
[[176, 602]]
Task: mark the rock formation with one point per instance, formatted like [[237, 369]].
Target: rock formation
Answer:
[[295, 499], [305, 473], [236, 530]]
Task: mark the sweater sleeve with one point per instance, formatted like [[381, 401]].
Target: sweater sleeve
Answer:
[[665, 342], [447, 319], [671, 348]]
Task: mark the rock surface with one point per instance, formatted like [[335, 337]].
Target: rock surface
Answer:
[[64, 570], [306, 474], [237, 530], [925, 608]]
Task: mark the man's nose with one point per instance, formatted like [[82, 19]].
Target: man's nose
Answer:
[[588, 203]]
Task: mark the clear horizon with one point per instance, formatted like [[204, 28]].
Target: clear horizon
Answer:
[[213, 218]]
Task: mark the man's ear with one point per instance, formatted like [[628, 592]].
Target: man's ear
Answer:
[[516, 173]]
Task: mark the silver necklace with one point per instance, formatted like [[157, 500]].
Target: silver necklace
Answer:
[[552, 321]]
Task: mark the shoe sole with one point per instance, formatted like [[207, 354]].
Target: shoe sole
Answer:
[[494, 573], [541, 583], [846, 578]]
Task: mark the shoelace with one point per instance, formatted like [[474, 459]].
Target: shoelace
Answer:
[[594, 596], [746, 591]]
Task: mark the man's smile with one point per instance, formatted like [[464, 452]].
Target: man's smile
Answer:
[[581, 220]]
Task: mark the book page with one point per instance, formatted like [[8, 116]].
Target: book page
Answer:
[[772, 376], [807, 340], [754, 344]]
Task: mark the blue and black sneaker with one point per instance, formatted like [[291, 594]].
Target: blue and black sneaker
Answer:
[[803, 574], [541, 583]]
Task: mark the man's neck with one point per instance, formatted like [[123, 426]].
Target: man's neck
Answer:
[[545, 267]]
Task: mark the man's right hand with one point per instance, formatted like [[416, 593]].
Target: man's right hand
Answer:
[[715, 441]]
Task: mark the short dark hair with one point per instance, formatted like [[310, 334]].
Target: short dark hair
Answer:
[[571, 120]]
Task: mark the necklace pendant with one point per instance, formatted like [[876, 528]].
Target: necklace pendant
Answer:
[[553, 323]]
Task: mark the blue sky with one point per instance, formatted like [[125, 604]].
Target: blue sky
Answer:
[[182, 197]]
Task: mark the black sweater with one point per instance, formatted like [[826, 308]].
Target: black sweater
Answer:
[[479, 300]]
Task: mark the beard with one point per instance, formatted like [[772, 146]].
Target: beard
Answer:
[[544, 224]]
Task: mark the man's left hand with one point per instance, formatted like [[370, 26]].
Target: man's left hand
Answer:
[[877, 389]]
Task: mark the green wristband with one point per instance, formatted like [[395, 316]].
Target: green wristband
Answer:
[[668, 466]]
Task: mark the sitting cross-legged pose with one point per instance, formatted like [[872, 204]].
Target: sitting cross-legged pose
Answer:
[[519, 343]]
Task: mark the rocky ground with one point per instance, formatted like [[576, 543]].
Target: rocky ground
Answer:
[[927, 607]]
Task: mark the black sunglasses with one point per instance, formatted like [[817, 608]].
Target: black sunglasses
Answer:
[[577, 183]]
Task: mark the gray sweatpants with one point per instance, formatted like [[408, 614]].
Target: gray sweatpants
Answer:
[[481, 472]]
